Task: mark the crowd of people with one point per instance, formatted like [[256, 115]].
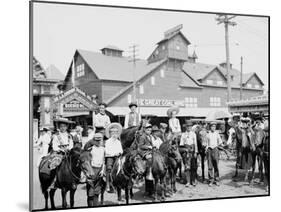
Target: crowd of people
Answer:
[[194, 140]]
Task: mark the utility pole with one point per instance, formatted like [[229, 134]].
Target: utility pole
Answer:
[[133, 50], [241, 75], [222, 18]]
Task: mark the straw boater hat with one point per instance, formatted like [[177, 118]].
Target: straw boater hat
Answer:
[[63, 120], [213, 123], [147, 126], [171, 109], [113, 125], [133, 104]]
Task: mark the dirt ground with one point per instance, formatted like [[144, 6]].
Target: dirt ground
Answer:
[[228, 188]]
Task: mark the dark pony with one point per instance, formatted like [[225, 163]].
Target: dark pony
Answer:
[[173, 161], [95, 181], [67, 176], [128, 136], [159, 171], [125, 169]]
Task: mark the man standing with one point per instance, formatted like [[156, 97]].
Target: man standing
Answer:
[[188, 146], [133, 118], [101, 120], [43, 143], [113, 149], [213, 142]]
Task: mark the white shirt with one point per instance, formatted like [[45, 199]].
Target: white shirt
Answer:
[[214, 139], [113, 147], [174, 124], [189, 138], [126, 123], [62, 139], [230, 133], [156, 141], [100, 120], [98, 153]]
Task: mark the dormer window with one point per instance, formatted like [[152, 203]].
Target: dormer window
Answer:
[[177, 47], [80, 70], [163, 47], [219, 82], [257, 86]]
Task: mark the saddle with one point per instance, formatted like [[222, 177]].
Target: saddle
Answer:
[[50, 162]]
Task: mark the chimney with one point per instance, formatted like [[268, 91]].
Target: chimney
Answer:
[[112, 51], [223, 64]]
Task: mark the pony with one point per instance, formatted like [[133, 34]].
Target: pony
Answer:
[[95, 179], [65, 177], [125, 169], [173, 161]]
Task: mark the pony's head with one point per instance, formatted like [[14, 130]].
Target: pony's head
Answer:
[[85, 160], [137, 163], [173, 152]]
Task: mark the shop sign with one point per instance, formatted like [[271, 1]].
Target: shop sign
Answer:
[[161, 102]]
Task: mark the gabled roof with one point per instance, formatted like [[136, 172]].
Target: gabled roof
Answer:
[[112, 47], [248, 76], [173, 35], [52, 72], [113, 68]]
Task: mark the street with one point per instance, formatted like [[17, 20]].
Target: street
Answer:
[[228, 188]]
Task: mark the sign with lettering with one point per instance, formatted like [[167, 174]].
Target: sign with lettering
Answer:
[[161, 102], [74, 105]]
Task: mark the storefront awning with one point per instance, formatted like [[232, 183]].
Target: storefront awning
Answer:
[[162, 111]]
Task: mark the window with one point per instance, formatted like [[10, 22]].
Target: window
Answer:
[[177, 47], [249, 85], [257, 86], [80, 70], [141, 89], [215, 101], [162, 73], [219, 82], [156, 52], [129, 98], [209, 82], [152, 80], [163, 47], [191, 102]]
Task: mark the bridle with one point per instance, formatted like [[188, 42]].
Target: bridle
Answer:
[[68, 162]]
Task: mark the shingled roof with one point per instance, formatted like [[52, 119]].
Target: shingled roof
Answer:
[[52, 72], [114, 68]]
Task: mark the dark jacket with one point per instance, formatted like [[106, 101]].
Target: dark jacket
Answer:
[[144, 144]]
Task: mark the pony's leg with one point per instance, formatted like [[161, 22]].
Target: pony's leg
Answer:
[[254, 155], [155, 196], [72, 192], [127, 195], [119, 194], [90, 201], [52, 194], [63, 197], [101, 197], [131, 193], [162, 185], [260, 169], [46, 195], [203, 166]]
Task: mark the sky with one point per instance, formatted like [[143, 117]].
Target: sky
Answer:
[[61, 29]]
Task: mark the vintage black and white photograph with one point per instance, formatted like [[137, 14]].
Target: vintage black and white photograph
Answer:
[[141, 105]]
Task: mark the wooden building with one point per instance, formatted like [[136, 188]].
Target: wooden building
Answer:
[[169, 76]]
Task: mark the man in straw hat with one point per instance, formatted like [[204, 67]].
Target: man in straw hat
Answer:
[[213, 142], [133, 118], [174, 123], [188, 144], [113, 149]]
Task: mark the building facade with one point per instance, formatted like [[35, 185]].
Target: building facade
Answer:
[[169, 76]]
